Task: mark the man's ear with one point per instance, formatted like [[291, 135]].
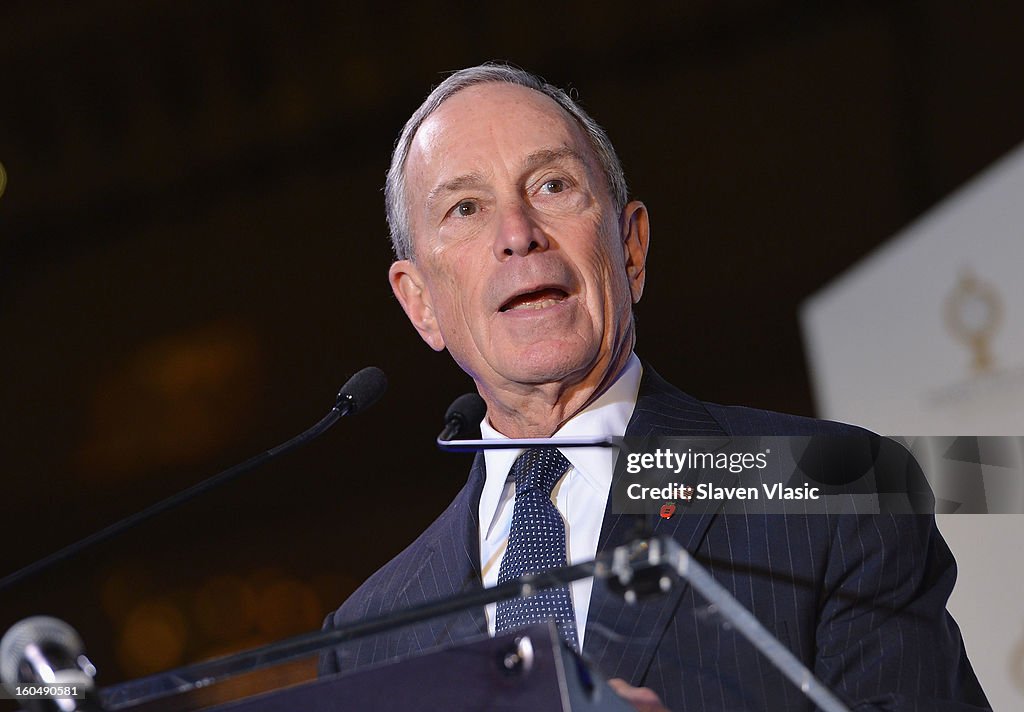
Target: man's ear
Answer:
[[412, 293], [636, 236]]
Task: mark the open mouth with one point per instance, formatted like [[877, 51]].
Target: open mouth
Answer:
[[537, 299]]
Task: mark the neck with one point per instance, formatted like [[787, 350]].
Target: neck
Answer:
[[540, 410]]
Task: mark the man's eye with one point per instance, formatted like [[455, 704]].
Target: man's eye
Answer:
[[554, 186], [464, 209]]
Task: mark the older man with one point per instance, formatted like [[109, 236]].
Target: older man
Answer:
[[519, 253]]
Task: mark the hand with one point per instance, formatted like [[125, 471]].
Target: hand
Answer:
[[643, 698]]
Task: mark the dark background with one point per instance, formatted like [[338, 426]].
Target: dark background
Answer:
[[193, 258]]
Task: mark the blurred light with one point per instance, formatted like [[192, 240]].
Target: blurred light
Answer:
[[288, 606], [152, 638], [3, 179], [225, 608], [123, 588], [172, 402]]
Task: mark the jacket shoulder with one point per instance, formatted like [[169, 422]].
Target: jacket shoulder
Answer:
[[742, 420], [664, 409]]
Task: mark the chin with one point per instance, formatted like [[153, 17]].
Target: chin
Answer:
[[550, 364]]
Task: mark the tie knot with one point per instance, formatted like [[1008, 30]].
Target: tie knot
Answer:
[[539, 469]]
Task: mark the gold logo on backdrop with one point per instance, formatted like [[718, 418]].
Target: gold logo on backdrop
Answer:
[[974, 312]]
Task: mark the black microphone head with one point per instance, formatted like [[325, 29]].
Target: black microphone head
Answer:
[[362, 390], [467, 410]]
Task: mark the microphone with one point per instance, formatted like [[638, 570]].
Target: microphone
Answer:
[[359, 393], [463, 417], [45, 652], [469, 409]]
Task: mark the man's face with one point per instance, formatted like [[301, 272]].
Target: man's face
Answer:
[[521, 268]]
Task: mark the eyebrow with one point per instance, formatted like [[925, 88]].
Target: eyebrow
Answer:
[[466, 180], [535, 160], [546, 156]]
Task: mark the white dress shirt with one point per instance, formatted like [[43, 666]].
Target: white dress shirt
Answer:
[[580, 496]]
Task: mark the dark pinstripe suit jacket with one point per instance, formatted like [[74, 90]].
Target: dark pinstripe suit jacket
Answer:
[[860, 599]]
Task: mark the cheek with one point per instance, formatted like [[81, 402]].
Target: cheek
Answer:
[[452, 305], [614, 297]]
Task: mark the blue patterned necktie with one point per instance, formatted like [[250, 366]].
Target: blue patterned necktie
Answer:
[[536, 543]]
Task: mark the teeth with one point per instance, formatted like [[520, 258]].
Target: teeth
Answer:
[[541, 304]]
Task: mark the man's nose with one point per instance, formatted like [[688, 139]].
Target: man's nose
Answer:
[[518, 233]]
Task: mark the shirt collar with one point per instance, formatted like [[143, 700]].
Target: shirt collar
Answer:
[[608, 415]]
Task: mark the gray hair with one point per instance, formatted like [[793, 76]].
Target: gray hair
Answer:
[[394, 186]]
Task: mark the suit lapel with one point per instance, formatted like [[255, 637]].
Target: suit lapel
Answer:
[[452, 563], [620, 638]]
